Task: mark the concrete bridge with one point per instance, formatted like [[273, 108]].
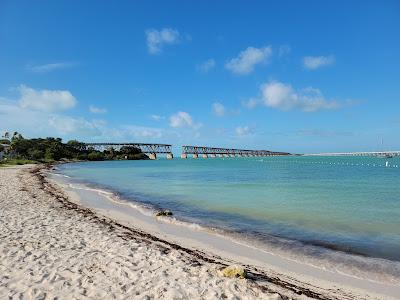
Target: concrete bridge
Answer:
[[385, 154], [151, 149], [206, 152]]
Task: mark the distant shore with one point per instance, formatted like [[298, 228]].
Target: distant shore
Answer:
[[53, 244]]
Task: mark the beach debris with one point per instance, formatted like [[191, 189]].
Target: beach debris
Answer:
[[234, 271], [164, 213]]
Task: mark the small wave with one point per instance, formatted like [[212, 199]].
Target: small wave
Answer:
[[316, 253], [59, 174], [84, 187]]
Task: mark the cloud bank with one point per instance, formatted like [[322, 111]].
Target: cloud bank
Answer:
[[45, 100]]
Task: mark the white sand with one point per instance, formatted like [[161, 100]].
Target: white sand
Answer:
[[51, 247]]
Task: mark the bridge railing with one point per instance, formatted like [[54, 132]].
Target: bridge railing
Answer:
[[145, 148], [202, 150], [366, 153], [151, 149]]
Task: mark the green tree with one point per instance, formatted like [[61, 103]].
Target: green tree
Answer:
[[95, 155], [4, 141], [129, 150], [36, 154], [76, 145]]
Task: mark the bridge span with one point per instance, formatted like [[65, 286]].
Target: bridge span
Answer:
[[151, 149], [206, 152], [371, 153]]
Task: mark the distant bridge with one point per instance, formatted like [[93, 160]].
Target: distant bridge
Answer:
[[205, 152], [372, 153], [150, 149]]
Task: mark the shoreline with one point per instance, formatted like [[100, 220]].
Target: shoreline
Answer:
[[236, 234], [62, 206], [221, 246]]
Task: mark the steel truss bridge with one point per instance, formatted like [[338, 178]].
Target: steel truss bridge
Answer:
[[150, 149], [373, 153], [225, 152]]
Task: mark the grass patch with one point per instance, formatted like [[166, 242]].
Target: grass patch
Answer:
[[14, 162]]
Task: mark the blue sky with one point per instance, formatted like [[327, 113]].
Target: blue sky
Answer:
[[297, 76]]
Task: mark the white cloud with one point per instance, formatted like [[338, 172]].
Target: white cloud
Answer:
[[45, 100], [34, 123], [207, 65], [40, 123], [182, 119], [243, 130], [282, 96], [245, 62], [315, 62], [218, 109], [45, 68], [97, 110], [156, 39], [156, 117]]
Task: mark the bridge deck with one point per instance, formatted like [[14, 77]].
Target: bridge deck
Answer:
[[144, 147], [227, 151], [365, 153]]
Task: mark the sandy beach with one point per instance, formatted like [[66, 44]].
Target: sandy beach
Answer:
[[53, 246]]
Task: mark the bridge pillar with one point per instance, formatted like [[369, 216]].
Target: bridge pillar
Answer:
[[195, 155], [170, 156], [184, 155], [205, 156], [152, 156]]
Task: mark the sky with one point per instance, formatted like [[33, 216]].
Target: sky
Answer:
[[295, 76]]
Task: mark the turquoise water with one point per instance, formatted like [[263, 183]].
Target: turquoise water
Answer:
[[349, 204]]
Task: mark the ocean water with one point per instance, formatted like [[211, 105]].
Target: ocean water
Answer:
[[310, 204]]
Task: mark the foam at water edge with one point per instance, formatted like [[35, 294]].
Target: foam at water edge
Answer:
[[334, 261]]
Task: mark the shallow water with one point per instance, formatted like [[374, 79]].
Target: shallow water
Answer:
[[351, 204]]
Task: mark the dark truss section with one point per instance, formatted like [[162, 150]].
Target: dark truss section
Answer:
[[227, 151], [145, 148]]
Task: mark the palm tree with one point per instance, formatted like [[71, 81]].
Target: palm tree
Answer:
[[6, 135]]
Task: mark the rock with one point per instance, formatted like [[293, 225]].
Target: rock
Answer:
[[165, 213], [234, 272]]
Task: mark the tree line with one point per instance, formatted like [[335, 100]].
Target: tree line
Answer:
[[53, 149]]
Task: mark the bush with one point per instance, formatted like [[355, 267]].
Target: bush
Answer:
[[129, 150], [53, 149], [95, 156], [137, 156], [36, 154], [82, 156]]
